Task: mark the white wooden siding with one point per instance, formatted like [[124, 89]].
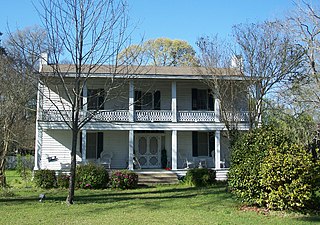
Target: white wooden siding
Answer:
[[54, 98], [117, 142], [118, 98], [56, 143]]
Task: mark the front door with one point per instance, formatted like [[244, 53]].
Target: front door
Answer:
[[147, 150]]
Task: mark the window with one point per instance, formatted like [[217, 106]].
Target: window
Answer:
[[202, 99], [94, 145], [147, 100], [95, 99], [202, 143]]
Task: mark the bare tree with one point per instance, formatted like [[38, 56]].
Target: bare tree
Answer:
[[224, 78], [269, 58], [15, 96], [304, 26], [89, 34]]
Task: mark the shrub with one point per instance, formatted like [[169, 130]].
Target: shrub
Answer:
[[247, 155], [268, 169], [200, 177], [124, 179], [91, 176], [289, 178], [45, 178], [63, 180]]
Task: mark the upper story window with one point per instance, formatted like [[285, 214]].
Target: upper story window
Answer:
[[147, 100], [202, 99], [95, 99]]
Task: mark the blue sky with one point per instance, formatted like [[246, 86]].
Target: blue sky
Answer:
[[176, 19]]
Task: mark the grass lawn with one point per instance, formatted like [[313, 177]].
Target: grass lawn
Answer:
[[176, 204]]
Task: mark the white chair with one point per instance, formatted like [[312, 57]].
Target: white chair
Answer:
[[185, 162], [136, 162], [105, 159], [202, 162], [222, 162]]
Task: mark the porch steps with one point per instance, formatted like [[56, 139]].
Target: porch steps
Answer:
[[221, 174], [153, 178]]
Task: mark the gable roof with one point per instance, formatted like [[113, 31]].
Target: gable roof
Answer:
[[163, 72]]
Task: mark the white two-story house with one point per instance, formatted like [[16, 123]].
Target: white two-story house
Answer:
[[152, 110]]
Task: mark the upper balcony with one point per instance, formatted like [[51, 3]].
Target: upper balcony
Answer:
[[174, 102], [148, 116]]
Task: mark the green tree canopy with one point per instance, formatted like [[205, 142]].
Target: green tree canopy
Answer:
[[161, 52]]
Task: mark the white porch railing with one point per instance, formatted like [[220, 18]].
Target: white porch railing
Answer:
[[52, 115], [235, 116], [147, 116], [118, 115], [196, 116], [153, 115]]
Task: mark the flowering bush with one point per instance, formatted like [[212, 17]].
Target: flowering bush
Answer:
[[63, 180], [124, 179], [91, 176]]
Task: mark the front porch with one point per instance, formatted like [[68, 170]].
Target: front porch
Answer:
[[153, 149]]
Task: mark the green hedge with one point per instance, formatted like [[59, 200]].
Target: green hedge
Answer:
[[91, 176], [200, 177], [124, 179], [269, 169], [45, 178], [289, 179], [63, 180]]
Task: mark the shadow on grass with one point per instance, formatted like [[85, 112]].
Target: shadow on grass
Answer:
[[109, 196], [311, 219]]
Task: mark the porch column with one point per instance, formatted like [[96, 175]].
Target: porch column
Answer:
[[39, 130], [131, 142], [174, 101], [38, 147], [84, 145], [85, 97], [217, 149], [216, 110], [84, 132], [131, 101], [174, 148]]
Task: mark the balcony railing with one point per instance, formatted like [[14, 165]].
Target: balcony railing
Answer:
[[147, 116], [235, 116], [112, 116], [153, 115], [196, 116]]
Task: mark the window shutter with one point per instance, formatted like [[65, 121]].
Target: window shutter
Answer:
[[211, 143], [194, 99], [194, 143], [80, 139], [137, 100], [81, 100], [157, 100], [210, 100], [100, 144]]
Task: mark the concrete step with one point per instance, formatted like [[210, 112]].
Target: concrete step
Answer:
[[157, 178], [221, 174]]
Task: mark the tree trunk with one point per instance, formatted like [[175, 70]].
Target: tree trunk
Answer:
[[70, 197], [3, 158]]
